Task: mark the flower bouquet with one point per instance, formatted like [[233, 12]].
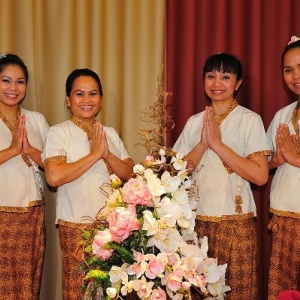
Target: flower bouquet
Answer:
[[144, 243]]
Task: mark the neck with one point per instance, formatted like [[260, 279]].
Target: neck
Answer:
[[221, 107]]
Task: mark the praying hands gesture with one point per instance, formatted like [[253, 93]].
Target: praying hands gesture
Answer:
[[20, 144], [287, 148]]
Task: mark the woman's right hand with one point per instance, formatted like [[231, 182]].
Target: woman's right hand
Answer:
[[17, 136], [99, 145]]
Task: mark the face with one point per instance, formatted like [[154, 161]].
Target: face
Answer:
[[85, 99], [291, 70], [220, 86], [12, 86]]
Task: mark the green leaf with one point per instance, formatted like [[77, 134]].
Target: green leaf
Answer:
[[125, 253], [88, 248], [86, 234], [96, 274]]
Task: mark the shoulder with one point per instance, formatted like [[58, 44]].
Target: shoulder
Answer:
[[287, 109], [248, 113], [32, 114], [60, 126], [111, 133]]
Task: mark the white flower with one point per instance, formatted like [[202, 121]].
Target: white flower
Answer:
[[111, 292], [154, 184], [169, 182], [138, 169], [117, 274]]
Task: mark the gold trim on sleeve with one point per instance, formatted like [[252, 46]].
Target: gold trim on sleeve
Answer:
[[61, 158], [259, 153]]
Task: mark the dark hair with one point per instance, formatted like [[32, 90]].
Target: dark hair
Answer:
[[290, 46], [12, 59], [78, 73], [223, 62]]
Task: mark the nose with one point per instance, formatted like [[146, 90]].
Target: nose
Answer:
[[297, 73], [13, 86]]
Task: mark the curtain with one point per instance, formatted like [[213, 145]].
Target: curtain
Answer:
[[123, 41], [256, 32]]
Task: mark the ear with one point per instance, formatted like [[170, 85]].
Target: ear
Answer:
[[238, 84], [68, 101]]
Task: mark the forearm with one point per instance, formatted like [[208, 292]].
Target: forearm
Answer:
[[35, 155], [7, 154], [194, 157], [59, 173], [123, 169], [253, 170]]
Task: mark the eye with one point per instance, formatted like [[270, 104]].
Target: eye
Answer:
[[287, 70], [5, 80], [21, 81], [226, 76], [210, 75], [94, 93], [78, 94]]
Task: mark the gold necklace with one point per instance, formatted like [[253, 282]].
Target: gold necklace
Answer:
[[230, 108], [7, 123]]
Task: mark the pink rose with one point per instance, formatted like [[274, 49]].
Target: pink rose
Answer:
[[121, 224], [101, 238], [136, 192]]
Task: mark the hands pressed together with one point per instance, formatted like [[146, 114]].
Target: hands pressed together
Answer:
[[99, 145], [287, 148], [210, 134]]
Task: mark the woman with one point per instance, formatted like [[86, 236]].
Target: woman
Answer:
[[226, 149], [22, 230], [79, 156], [283, 135]]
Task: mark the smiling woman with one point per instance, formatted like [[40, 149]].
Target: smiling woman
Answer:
[[79, 156], [22, 236]]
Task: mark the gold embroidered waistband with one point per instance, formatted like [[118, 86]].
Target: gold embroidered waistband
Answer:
[[25, 209], [282, 213], [76, 225], [226, 217]]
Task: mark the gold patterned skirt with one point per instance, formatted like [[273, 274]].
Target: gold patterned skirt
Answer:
[[285, 256], [234, 242], [22, 244], [70, 235]]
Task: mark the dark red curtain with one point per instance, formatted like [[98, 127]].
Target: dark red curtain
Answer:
[[256, 31]]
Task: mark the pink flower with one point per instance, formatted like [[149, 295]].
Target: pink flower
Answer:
[[115, 181], [121, 224], [158, 294], [174, 280], [293, 39], [136, 192], [149, 161], [155, 267], [101, 238], [143, 288]]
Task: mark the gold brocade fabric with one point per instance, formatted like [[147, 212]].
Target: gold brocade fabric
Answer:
[[285, 263], [234, 242], [22, 244], [72, 278]]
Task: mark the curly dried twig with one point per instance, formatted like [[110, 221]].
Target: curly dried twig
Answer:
[[157, 114]]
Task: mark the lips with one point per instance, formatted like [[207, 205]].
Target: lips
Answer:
[[12, 96], [86, 107]]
